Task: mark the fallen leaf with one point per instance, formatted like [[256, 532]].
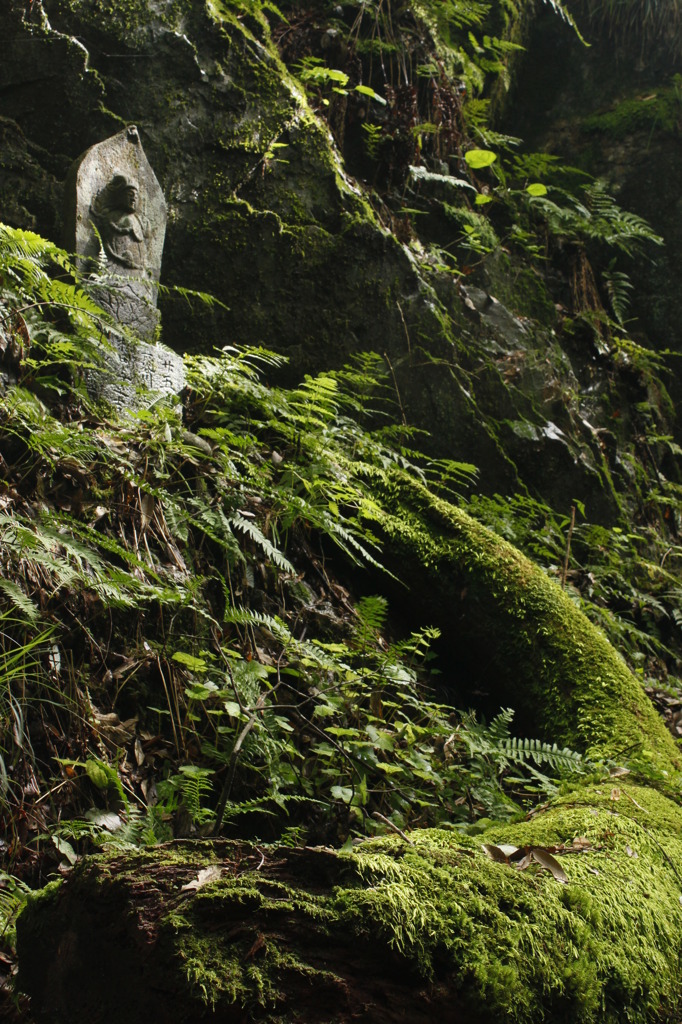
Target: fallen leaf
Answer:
[[147, 503], [54, 659], [615, 794], [106, 819], [508, 850], [112, 729], [206, 875], [175, 553], [66, 849], [148, 787], [550, 863], [258, 944], [500, 854]]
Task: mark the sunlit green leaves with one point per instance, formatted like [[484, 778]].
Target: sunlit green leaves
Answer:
[[477, 159]]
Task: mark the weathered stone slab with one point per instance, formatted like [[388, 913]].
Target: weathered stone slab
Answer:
[[136, 372]]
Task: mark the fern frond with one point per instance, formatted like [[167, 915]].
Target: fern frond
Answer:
[[559, 759], [372, 612], [248, 617], [195, 785], [20, 600], [251, 530], [260, 804], [617, 227], [558, 7], [14, 894], [618, 287]]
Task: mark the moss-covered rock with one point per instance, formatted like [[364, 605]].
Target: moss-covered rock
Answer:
[[580, 922]]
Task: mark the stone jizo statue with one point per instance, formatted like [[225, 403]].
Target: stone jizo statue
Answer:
[[115, 222]]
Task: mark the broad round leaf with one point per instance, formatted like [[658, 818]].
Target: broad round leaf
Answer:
[[537, 189], [366, 90], [477, 158]]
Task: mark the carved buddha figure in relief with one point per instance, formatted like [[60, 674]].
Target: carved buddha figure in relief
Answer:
[[122, 226]]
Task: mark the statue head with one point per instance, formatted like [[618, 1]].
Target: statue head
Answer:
[[124, 193], [120, 195]]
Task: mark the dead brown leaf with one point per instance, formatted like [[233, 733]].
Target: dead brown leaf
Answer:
[[550, 863], [522, 857], [147, 503], [500, 854], [257, 946]]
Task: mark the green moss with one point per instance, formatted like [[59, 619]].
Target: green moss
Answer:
[[602, 948], [437, 912], [520, 288], [567, 679], [660, 110], [230, 965], [46, 894], [248, 16]]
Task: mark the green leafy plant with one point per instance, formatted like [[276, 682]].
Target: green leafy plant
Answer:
[[316, 76], [13, 896], [203, 548]]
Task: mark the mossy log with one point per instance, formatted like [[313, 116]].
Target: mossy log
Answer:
[[514, 632], [393, 931]]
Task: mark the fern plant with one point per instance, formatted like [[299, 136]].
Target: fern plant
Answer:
[[188, 790], [596, 217]]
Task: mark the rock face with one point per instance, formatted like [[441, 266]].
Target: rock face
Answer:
[[613, 108], [263, 215]]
